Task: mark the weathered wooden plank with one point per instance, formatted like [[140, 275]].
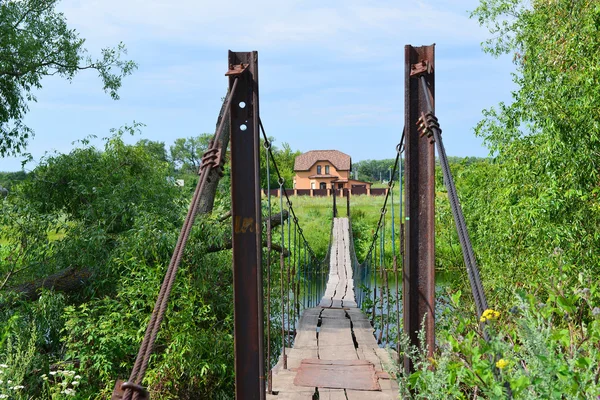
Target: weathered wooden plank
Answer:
[[337, 376], [332, 394]]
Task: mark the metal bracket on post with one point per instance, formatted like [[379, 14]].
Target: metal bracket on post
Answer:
[[418, 283], [246, 217]]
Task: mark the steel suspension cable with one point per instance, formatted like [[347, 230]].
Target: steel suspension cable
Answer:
[[430, 125], [282, 273], [387, 194], [267, 146], [400, 246], [287, 288], [429, 122], [212, 159]]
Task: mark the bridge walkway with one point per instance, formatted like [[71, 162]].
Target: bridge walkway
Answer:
[[335, 354]]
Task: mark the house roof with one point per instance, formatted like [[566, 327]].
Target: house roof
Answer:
[[341, 161]]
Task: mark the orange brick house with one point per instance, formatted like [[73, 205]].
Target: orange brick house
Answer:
[[324, 169]]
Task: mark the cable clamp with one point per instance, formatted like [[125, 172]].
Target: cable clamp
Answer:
[[426, 124], [212, 159], [121, 387]]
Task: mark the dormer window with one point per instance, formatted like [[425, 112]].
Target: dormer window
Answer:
[[318, 170], [327, 170]]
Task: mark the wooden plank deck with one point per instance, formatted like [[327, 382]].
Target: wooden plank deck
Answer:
[[339, 332]]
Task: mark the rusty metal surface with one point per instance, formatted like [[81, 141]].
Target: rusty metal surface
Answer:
[[337, 374], [418, 284], [236, 69], [119, 390], [246, 218], [422, 67]]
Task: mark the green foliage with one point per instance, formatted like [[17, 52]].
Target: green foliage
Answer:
[[99, 187], [285, 158], [157, 149], [118, 216], [186, 153], [35, 41], [374, 170], [537, 212], [537, 349], [7, 179]]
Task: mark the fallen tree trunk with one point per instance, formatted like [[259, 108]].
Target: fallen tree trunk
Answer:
[[72, 279], [228, 245], [67, 280]]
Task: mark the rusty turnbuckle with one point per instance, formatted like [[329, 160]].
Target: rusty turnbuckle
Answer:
[[426, 123]]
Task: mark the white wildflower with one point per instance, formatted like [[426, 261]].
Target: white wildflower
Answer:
[[3, 366], [75, 383], [3, 396], [78, 377], [52, 373]]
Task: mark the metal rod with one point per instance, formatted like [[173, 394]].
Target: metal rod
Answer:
[[282, 273], [267, 145]]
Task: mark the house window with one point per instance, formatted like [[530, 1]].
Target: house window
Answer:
[[323, 185], [318, 170], [327, 169], [312, 185], [340, 185]]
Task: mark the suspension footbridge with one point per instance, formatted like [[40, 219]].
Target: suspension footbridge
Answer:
[[335, 353], [301, 327]]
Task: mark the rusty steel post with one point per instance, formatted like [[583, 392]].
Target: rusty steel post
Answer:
[[418, 283], [246, 217]]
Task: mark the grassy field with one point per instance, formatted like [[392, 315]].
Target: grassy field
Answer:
[[315, 213]]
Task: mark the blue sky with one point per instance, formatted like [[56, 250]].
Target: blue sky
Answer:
[[330, 72]]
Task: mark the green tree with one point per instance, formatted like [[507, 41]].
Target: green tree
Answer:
[[157, 149], [285, 158], [187, 153], [536, 212], [111, 216], [373, 170], [35, 42]]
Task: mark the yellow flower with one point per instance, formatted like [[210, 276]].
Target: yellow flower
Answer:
[[501, 363], [489, 315]]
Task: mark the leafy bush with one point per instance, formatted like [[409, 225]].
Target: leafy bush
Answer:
[[536, 350]]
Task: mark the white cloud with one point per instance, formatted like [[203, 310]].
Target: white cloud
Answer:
[[353, 27]]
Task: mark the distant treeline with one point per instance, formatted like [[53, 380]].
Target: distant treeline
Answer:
[[7, 179], [380, 170]]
